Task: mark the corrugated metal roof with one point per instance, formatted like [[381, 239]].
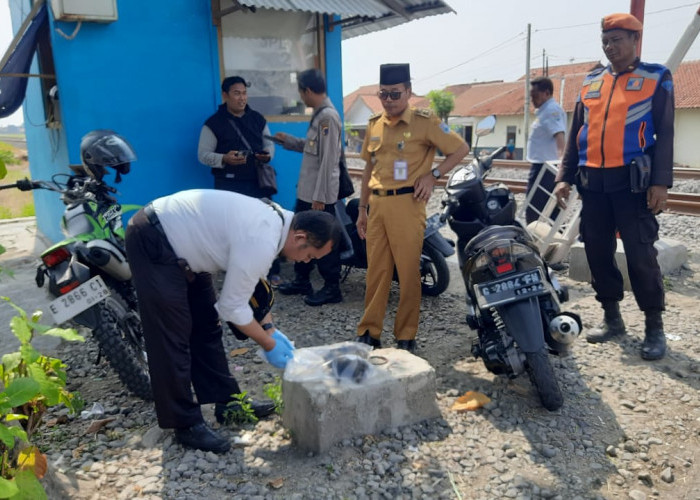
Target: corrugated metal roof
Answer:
[[340, 7], [360, 17]]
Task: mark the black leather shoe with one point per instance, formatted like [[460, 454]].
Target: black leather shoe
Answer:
[[296, 287], [329, 294], [226, 414], [201, 437], [407, 345], [371, 341]]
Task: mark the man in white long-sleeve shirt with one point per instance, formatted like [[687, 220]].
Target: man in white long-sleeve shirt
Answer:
[[174, 244]]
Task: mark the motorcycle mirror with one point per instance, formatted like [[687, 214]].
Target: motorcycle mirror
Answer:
[[486, 126]]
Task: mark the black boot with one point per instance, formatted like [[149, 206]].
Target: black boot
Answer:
[[299, 286], [654, 345], [201, 437], [407, 345], [329, 294], [611, 327], [371, 341]]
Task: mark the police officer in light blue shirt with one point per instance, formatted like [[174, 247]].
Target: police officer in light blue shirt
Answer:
[[546, 141]]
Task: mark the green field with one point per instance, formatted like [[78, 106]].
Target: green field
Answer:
[[14, 203]]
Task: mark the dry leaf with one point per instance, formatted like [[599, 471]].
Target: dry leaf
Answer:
[[31, 458], [276, 484], [97, 425], [470, 400], [78, 452], [240, 351]]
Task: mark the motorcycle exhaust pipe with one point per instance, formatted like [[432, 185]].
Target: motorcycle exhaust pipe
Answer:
[[565, 327]]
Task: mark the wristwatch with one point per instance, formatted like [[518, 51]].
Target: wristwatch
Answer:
[[436, 173], [267, 326]]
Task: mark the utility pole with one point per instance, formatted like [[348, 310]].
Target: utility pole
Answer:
[[686, 40], [637, 10], [526, 111], [544, 73]]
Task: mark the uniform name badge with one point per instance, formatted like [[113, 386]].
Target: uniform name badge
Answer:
[[400, 170]]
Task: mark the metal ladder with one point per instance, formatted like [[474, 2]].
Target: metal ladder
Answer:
[[553, 237]]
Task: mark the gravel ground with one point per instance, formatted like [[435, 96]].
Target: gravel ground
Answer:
[[628, 428]]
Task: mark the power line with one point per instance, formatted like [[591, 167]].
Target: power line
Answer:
[[488, 51], [598, 22]]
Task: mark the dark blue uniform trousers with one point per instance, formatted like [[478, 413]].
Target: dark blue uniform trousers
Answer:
[[329, 265], [602, 215]]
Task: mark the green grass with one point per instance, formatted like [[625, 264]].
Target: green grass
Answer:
[[7, 155], [6, 213], [27, 210]]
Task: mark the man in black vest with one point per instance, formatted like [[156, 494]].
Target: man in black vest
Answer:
[[232, 141]]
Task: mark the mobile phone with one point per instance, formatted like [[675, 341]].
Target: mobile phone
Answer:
[[273, 139]]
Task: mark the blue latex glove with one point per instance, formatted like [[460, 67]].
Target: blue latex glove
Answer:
[[281, 337], [280, 355]]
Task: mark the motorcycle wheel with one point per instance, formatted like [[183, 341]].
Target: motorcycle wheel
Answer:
[[542, 377], [120, 338], [434, 273]]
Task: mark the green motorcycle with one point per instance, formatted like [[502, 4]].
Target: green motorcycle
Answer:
[[89, 276]]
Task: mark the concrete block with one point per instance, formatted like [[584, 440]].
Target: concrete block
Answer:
[[321, 412], [672, 255]]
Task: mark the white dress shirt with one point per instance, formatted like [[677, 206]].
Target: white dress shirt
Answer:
[[550, 120], [215, 230]]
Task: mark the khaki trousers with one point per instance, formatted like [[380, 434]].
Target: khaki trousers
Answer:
[[394, 238]]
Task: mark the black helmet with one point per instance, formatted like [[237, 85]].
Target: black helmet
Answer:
[[105, 148], [261, 303]]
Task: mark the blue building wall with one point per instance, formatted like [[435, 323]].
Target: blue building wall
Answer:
[[49, 154], [152, 76]]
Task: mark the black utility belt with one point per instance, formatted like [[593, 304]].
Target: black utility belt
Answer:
[[155, 222], [393, 192]]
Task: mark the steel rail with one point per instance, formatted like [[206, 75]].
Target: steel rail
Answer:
[[679, 203], [678, 172]]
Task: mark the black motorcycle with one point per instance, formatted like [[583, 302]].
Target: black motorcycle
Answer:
[[513, 298], [435, 275]]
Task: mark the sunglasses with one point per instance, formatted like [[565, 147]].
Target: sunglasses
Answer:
[[395, 95]]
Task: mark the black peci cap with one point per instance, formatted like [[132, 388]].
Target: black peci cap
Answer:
[[390, 74]]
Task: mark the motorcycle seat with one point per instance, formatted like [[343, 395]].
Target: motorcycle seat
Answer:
[[494, 233]]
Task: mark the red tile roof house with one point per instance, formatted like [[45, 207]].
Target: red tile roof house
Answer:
[[473, 101]]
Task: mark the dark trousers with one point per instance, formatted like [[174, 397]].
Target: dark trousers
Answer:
[[539, 198], [181, 327], [328, 266], [602, 215]]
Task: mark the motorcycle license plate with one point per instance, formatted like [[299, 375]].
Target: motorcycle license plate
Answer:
[[79, 299], [515, 287]]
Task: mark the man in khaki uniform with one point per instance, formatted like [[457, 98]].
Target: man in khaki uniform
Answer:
[[399, 149]]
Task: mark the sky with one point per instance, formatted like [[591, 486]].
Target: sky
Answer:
[[486, 40]]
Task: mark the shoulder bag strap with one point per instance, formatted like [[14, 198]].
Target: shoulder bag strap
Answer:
[[238, 131]]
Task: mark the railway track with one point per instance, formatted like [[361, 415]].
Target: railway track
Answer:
[[678, 172], [679, 203]]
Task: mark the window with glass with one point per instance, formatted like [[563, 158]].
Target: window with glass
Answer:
[[268, 48]]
